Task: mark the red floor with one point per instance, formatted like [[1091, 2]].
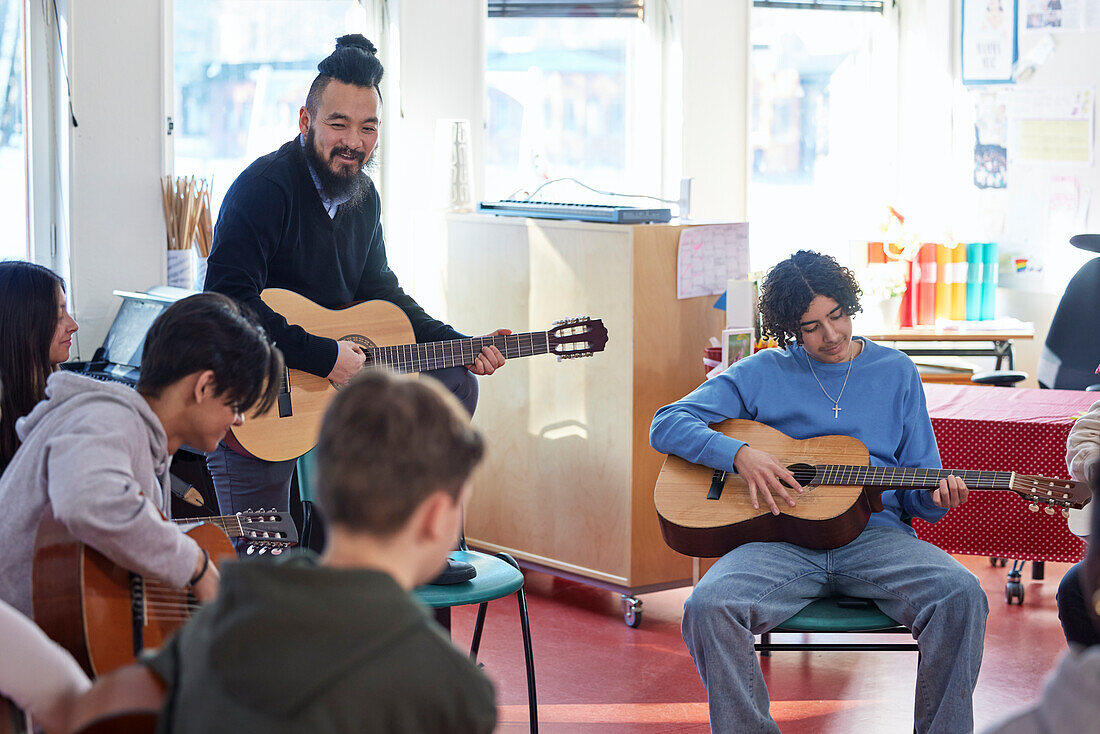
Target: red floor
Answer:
[[595, 674]]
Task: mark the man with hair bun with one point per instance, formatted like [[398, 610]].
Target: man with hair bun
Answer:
[[825, 382], [306, 218]]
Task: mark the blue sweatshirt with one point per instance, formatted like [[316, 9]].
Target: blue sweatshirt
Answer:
[[882, 406]]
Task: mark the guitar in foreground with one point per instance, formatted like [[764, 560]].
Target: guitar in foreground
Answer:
[[385, 335], [105, 615], [707, 513]]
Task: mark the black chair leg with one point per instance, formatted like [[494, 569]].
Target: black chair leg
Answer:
[[525, 627], [479, 625], [443, 617], [528, 653], [766, 639]]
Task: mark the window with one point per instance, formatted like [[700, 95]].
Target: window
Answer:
[[13, 144], [242, 71], [822, 129], [560, 101]]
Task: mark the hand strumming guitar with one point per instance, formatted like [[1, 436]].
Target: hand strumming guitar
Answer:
[[205, 588], [765, 474], [349, 360], [490, 359]]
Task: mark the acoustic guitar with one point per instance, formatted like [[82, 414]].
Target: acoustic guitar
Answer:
[[125, 701], [707, 513], [104, 614], [384, 333]]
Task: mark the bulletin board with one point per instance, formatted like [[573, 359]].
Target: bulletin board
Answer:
[[1033, 141]]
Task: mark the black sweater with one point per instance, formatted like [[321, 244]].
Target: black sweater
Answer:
[[273, 232]]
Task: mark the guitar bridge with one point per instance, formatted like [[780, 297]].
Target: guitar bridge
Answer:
[[137, 612], [717, 484]]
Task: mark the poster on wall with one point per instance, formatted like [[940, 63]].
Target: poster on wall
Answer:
[[990, 139], [989, 44], [1060, 15]]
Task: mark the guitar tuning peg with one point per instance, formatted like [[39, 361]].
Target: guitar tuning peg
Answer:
[[276, 551], [263, 550], [560, 358], [1048, 510], [250, 551], [1065, 512], [1033, 507]]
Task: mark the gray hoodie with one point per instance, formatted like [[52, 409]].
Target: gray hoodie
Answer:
[[1070, 703], [97, 453]]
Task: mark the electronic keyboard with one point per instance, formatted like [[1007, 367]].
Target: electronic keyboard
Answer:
[[611, 213]]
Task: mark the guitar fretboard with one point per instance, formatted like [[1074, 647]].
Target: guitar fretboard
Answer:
[[457, 352], [230, 524], [907, 478]]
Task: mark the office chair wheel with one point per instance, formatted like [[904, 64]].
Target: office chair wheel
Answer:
[[994, 561], [1014, 592], [632, 611]]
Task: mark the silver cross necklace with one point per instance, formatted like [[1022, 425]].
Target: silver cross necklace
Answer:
[[836, 403]]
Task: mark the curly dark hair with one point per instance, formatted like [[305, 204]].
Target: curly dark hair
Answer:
[[792, 284]]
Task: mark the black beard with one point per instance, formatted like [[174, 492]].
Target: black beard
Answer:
[[353, 187]]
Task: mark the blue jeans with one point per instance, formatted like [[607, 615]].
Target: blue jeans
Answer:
[[760, 585], [242, 482]]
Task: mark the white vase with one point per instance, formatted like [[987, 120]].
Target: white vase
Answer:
[[200, 272], [888, 312], [180, 272]]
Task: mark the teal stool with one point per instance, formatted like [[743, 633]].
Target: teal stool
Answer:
[[306, 469], [497, 577], [841, 614]]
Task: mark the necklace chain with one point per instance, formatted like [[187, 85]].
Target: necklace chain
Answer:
[[836, 403]]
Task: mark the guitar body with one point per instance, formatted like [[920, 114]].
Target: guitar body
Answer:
[[126, 701], [86, 603], [824, 517], [273, 437]]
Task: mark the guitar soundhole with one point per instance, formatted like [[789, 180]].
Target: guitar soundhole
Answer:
[[365, 344], [803, 473]]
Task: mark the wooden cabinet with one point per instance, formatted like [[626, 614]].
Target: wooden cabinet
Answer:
[[568, 481]]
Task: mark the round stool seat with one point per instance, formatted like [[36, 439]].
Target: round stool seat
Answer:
[[998, 378], [495, 578], [826, 615]]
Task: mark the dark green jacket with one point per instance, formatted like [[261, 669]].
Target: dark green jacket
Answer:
[[297, 647]]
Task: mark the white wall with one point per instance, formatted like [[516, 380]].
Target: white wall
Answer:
[[714, 42], [115, 54], [440, 69]]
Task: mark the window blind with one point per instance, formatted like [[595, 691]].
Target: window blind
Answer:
[[864, 6], [566, 9]]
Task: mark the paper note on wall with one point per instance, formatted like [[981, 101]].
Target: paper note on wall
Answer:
[[709, 256], [1054, 125]]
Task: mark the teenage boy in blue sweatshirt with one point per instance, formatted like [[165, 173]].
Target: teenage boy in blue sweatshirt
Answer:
[[825, 382]]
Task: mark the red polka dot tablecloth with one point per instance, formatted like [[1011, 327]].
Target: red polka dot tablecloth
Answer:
[[1004, 429]]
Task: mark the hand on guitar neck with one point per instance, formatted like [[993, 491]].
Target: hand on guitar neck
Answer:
[[766, 476], [490, 359]]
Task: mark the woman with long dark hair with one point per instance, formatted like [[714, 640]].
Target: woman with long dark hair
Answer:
[[36, 332]]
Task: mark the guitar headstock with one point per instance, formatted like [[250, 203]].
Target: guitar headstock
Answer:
[[579, 336], [1051, 492], [267, 530]]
